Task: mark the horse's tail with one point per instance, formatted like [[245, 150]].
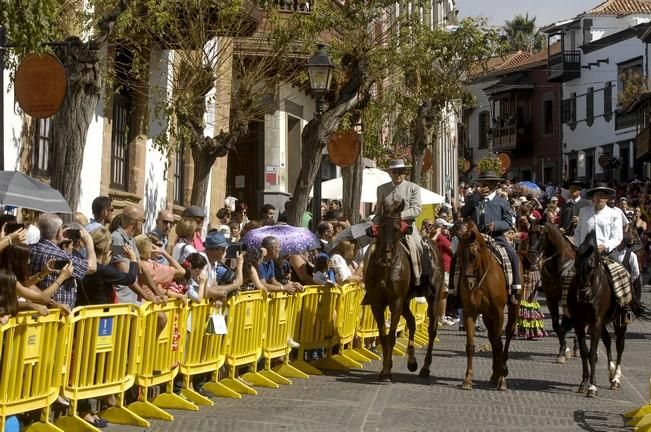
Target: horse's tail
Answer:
[[637, 307]]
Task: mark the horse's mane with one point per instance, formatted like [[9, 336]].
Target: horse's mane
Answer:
[[582, 263], [558, 240]]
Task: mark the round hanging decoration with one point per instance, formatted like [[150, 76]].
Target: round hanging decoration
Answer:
[[40, 85], [344, 147], [506, 161]]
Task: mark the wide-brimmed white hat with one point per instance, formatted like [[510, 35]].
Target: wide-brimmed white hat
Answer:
[[397, 164]]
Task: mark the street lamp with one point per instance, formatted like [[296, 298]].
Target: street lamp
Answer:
[[320, 69]]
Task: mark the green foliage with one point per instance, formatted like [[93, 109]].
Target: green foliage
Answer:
[[490, 164], [521, 34]]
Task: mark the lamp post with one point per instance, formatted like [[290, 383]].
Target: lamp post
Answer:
[[320, 69]]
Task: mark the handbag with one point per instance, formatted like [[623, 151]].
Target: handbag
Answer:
[[216, 324]]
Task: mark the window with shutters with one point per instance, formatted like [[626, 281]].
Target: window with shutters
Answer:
[[484, 127], [41, 148], [589, 106], [608, 101], [179, 175]]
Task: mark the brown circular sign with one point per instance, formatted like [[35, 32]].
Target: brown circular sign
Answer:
[[40, 85], [506, 161], [344, 147]]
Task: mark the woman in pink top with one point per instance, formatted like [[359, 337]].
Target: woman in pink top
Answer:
[[161, 274]]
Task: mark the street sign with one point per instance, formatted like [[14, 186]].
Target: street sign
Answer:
[[40, 85], [344, 147]]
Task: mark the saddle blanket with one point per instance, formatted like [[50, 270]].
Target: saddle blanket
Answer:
[[618, 277], [499, 252]]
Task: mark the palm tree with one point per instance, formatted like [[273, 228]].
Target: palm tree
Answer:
[[520, 34]]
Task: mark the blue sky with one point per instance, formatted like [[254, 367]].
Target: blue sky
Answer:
[[545, 11]]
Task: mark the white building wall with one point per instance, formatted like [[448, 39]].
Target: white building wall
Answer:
[[482, 105], [13, 126], [601, 132], [92, 165]]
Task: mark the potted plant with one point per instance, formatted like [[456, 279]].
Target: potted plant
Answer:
[[490, 164]]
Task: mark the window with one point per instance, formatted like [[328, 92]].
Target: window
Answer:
[[608, 101], [484, 127], [179, 175], [589, 106], [41, 150], [548, 117], [589, 167], [569, 111], [119, 143]]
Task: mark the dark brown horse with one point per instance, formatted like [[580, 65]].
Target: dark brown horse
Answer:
[[482, 290], [556, 254], [388, 278], [592, 304]]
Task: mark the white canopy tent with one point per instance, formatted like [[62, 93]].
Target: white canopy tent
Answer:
[[371, 179]]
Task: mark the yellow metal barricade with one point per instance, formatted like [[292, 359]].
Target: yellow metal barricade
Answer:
[[316, 321], [349, 310], [246, 324], [102, 362], [640, 418], [160, 352], [204, 353], [419, 309], [366, 329], [281, 324], [32, 350]]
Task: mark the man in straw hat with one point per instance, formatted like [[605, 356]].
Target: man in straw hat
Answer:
[[572, 207], [400, 189], [493, 216]]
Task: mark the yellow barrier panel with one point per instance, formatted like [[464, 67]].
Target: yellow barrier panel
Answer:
[[366, 329], [160, 354], [32, 360], [102, 362], [316, 321], [282, 309], [420, 313], [641, 417], [204, 354], [246, 323], [349, 310]]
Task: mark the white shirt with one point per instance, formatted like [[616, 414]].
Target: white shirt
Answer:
[[607, 223], [619, 254]]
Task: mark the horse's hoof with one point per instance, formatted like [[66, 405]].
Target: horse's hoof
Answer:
[[592, 393], [561, 359], [412, 366], [424, 373], [501, 386], [577, 352], [583, 388], [384, 377], [494, 379], [615, 385], [467, 385]]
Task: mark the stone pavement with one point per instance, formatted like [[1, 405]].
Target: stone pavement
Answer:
[[541, 397]]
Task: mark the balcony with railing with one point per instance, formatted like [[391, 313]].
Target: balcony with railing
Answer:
[[300, 6], [564, 66], [643, 143], [509, 138]]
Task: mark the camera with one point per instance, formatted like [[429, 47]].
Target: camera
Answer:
[[59, 264], [13, 227], [73, 234], [232, 250]]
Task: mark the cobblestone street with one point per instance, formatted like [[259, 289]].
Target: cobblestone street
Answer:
[[542, 395]]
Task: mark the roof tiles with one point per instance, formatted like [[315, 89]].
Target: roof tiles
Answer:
[[621, 7]]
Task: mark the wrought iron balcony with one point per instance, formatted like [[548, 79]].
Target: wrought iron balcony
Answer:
[[510, 138], [301, 6], [564, 66]]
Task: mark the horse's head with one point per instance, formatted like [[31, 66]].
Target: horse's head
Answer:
[[587, 259], [390, 231], [472, 246]]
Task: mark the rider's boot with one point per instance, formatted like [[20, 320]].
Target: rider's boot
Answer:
[[514, 297]]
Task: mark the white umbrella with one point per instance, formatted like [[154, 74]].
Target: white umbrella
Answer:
[[371, 179]]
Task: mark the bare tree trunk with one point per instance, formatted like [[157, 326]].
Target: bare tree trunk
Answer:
[[70, 124], [352, 184], [201, 177]]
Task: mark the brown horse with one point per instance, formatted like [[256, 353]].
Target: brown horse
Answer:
[[388, 278], [556, 254], [592, 304], [482, 290]]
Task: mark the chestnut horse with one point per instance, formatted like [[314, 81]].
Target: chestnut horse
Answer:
[[595, 308], [482, 290], [388, 278], [556, 254]]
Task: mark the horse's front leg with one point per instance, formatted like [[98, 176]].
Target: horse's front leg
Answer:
[[432, 329], [595, 333], [469, 322], [605, 338], [378, 314], [579, 329], [620, 341], [395, 307], [563, 350], [513, 312], [412, 363]]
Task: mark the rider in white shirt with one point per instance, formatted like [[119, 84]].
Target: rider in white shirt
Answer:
[[606, 221]]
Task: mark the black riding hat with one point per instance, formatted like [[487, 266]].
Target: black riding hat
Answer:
[[600, 187], [489, 176], [575, 182]]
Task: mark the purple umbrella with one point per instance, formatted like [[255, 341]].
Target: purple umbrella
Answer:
[[293, 240]]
